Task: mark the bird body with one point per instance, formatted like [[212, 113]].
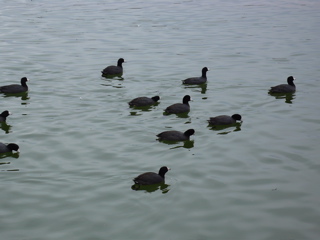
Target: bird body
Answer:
[[179, 107], [176, 135], [284, 88], [143, 101], [4, 115], [4, 148], [15, 88], [114, 70], [224, 119], [197, 80], [150, 178]]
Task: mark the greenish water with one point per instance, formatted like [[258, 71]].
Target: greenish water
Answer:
[[81, 145]]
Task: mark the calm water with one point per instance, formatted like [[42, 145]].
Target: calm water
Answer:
[[81, 145]]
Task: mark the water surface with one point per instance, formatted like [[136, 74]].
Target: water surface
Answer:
[[81, 144]]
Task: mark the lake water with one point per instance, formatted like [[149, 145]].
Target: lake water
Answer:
[[81, 145]]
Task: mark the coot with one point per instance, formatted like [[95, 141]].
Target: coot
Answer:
[[284, 88], [4, 115], [143, 101], [224, 119], [176, 135], [179, 107], [114, 70], [4, 148], [197, 80], [15, 88], [149, 178]]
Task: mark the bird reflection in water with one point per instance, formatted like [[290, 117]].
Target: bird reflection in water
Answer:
[[236, 127], [143, 109], [198, 88], [114, 76], [185, 144], [151, 188], [5, 127], [9, 154], [24, 96], [287, 96]]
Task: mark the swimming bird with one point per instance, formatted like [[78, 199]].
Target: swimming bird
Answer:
[[4, 115], [179, 107], [197, 80], [15, 88], [224, 119], [176, 135], [143, 101], [4, 148], [284, 88], [114, 70], [150, 178]]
